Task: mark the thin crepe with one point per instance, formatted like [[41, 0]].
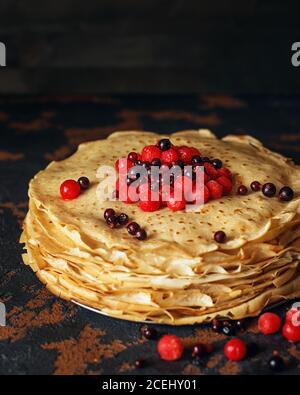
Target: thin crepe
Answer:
[[179, 275]]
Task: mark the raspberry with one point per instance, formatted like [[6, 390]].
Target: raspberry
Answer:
[[226, 183], [149, 205], [124, 190], [215, 189], [235, 349], [224, 172], [149, 200], [206, 177], [199, 194], [174, 204], [169, 157], [164, 193], [269, 323], [183, 186], [170, 348], [122, 165], [150, 152], [69, 189], [291, 332], [186, 153], [210, 170]]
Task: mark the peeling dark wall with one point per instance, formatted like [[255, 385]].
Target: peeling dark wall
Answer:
[[157, 46]]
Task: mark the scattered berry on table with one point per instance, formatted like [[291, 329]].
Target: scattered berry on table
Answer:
[[139, 363], [216, 325], [276, 363], [269, 323], [291, 332], [293, 314], [228, 330], [198, 349], [148, 332], [170, 347], [235, 349]]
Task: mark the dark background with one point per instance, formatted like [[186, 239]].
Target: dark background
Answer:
[[158, 46], [79, 70]]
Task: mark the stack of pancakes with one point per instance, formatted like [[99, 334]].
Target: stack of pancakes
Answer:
[[179, 274]]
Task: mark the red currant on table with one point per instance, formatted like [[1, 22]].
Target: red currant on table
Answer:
[[170, 347], [69, 189], [293, 314], [269, 323], [291, 332], [235, 349]]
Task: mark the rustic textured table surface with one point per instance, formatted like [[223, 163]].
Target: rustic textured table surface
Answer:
[[46, 335]]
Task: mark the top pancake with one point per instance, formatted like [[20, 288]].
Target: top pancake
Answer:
[[171, 235]]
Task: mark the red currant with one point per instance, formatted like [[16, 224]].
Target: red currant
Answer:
[[235, 349], [291, 332], [269, 323], [69, 189], [170, 347], [293, 314]]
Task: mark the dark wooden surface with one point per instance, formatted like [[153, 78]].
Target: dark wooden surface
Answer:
[[46, 335], [151, 46]]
